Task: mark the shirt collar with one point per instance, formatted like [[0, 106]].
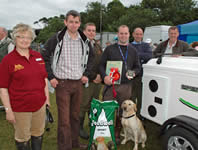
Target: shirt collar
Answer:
[[134, 42], [172, 45], [30, 52], [67, 36], [92, 43]]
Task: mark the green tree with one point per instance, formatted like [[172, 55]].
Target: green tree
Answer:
[[175, 11], [115, 10], [139, 17], [54, 25], [44, 21], [92, 14], [147, 13]]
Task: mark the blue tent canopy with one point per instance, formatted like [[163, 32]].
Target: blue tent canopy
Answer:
[[189, 31]]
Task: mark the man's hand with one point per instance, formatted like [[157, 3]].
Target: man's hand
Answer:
[[54, 82], [107, 80], [98, 79], [84, 79]]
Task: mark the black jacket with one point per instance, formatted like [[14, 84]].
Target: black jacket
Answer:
[[112, 53], [54, 42]]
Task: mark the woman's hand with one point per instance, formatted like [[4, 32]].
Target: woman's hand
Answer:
[[6, 103], [48, 102], [10, 116]]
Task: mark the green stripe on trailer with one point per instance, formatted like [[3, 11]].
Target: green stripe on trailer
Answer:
[[188, 104]]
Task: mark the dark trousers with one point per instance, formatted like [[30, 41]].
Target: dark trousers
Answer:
[[68, 99], [89, 93], [137, 92], [123, 93]]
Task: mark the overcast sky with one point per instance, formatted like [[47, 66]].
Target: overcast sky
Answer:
[[13, 12]]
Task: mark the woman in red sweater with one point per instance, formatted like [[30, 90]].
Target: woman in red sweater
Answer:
[[24, 90]]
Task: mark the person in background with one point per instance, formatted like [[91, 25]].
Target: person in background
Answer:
[[24, 89], [6, 45], [107, 44], [124, 52], [69, 59], [172, 45], [149, 41], [154, 46], [93, 90], [145, 53]]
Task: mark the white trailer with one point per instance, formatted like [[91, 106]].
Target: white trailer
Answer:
[[170, 98], [156, 33]]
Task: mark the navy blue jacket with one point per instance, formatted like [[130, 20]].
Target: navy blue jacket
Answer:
[[144, 52]]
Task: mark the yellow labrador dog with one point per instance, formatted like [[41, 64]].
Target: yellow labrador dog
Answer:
[[133, 128]]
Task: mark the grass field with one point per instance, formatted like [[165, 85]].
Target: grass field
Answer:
[[50, 142]]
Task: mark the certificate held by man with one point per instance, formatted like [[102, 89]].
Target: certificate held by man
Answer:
[[114, 70]]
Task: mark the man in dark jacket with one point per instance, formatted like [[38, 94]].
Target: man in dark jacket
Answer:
[[125, 53], [145, 53], [93, 89], [172, 45], [68, 57]]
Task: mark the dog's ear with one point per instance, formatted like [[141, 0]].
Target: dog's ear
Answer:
[[135, 107], [122, 105]]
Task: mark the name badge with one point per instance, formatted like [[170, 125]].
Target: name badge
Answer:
[[38, 59]]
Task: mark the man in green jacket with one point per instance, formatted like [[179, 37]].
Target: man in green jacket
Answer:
[[92, 90], [6, 45]]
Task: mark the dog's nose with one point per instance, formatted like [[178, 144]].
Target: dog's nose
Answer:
[[125, 108]]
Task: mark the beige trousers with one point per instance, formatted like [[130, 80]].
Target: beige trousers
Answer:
[[29, 124]]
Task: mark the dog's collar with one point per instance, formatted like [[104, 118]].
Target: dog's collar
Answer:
[[128, 116]]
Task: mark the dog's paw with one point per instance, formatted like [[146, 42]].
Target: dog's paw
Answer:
[[123, 141]]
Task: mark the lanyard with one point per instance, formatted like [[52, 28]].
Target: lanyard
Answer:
[[124, 58]]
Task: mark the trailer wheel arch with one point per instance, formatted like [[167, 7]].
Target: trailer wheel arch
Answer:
[[183, 121]]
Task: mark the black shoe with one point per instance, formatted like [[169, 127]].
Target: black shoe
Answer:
[[23, 145], [83, 134], [36, 142]]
